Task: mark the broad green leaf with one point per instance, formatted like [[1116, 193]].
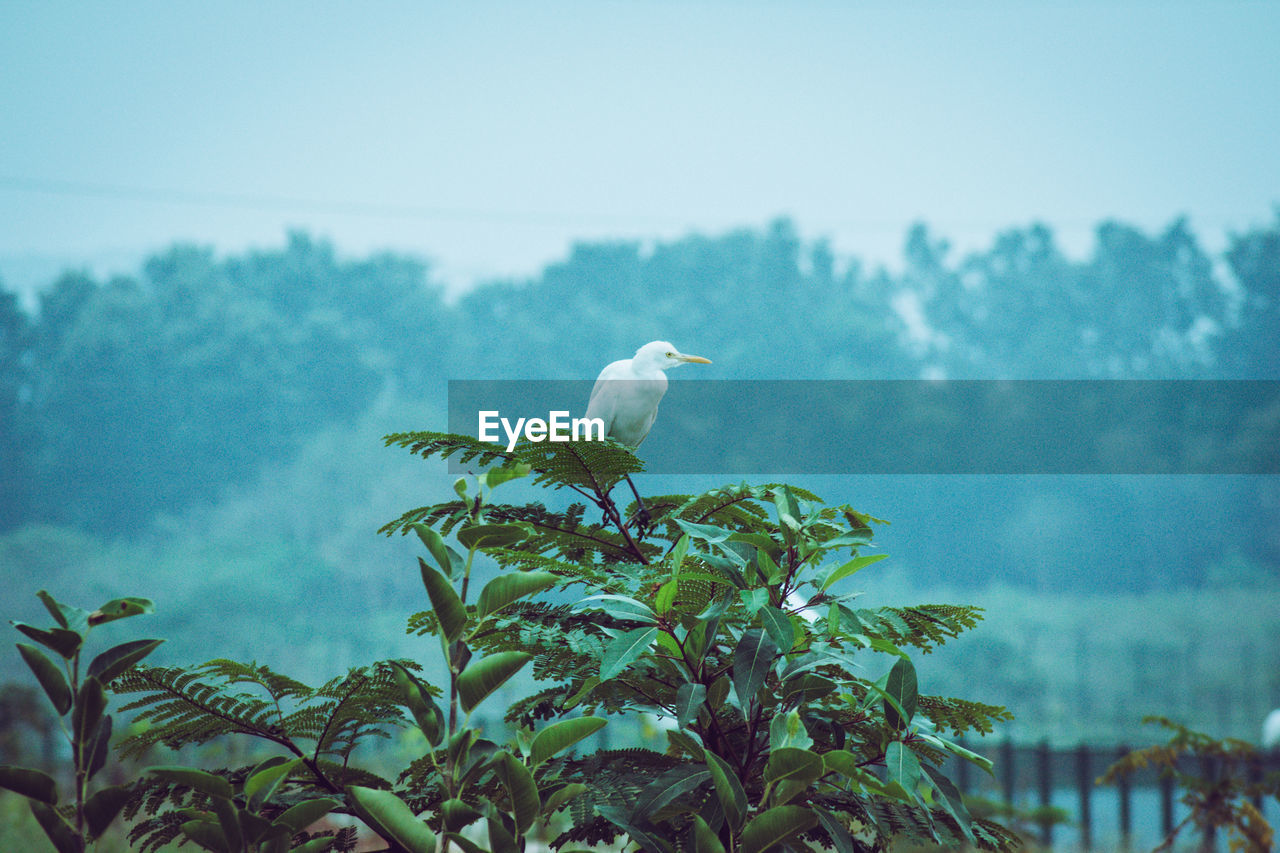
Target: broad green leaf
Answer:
[[467, 845], [71, 618], [560, 736], [620, 607], [767, 568], [483, 677], [504, 589], [792, 763], [500, 839], [457, 815], [495, 477], [32, 784], [116, 661], [903, 767], [259, 787], [62, 641], [624, 649], [209, 835], [620, 817], [315, 845], [670, 784], [101, 808], [426, 712], [307, 812], [684, 742], [387, 815], [788, 730], [902, 687], [733, 799], [491, 535], [955, 749], [840, 837], [752, 660], [951, 800], [55, 826], [50, 677], [852, 567], [436, 546], [97, 751], [689, 701], [121, 608], [562, 796], [754, 599], [588, 685], [205, 783], [705, 839], [90, 702], [678, 553], [705, 532], [666, 597], [775, 826], [779, 627], [444, 601]]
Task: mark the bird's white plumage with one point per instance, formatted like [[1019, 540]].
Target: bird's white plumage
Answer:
[[627, 392]]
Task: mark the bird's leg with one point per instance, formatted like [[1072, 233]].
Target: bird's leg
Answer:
[[642, 513]]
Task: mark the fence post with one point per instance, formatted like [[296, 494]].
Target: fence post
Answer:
[[1124, 789], [1209, 772], [1166, 804], [1006, 758], [1085, 784], [1045, 774]]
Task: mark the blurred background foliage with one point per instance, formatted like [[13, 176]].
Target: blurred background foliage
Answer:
[[206, 432]]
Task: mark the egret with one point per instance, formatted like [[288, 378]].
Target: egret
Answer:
[[627, 392]]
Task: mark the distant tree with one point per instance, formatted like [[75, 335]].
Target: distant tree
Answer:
[[15, 453], [1252, 348]]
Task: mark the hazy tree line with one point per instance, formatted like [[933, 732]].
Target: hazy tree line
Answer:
[[140, 394]]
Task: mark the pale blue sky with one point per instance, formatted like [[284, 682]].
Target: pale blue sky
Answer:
[[488, 136]]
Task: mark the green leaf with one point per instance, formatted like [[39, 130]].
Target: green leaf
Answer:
[[562, 796], [315, 845], [444, 601], [733, 799], [670, 784], [32, 784], [500, 839], [483, 677], [521, 789], [426, 712], [624, 649], [852, 567], [205, 783], [305, 813], [678, 553], [262, 783], [114, 662], [779, 627], [788, 730], [752, 660], [903, 767], [666, 597], [491, 535], [438, 549], [495, 477], [101, 808], [951, 800], [780, 823], [689, 700], [387, 815], [558, 737], [840, 837], [97, 751], [457, 815], [62, 641], [754, 599], [902, 687], [50, 677], [620, 607], [121, 608], [621, 818], [705, 839], [55, 826], [767, 568], [790, 762], [504, 589], [467, 845], [705, 532], [90, 702], [208, 834], [71, 618]]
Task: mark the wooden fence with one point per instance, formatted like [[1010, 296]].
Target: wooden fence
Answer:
[[1138, 811]]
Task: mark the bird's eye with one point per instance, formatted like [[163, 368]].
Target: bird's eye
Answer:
[[670, 354]]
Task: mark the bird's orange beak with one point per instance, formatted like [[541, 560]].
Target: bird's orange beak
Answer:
[[694, 359]]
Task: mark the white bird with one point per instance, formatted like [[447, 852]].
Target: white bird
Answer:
[[626, 396], [627, 392], [1271, 729]]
